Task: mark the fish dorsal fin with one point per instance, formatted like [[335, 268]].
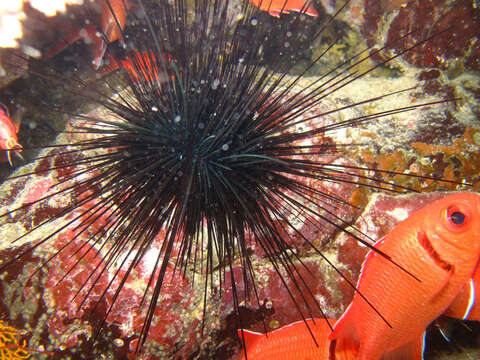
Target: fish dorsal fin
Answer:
[[250, 337], [304, 7]]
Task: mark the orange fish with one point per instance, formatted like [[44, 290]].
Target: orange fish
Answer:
[[439, 246], [466, 305], [292, 342], [8, 136], [277, 7], [295, 342]]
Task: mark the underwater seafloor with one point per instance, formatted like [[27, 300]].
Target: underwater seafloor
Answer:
[[441, 140]]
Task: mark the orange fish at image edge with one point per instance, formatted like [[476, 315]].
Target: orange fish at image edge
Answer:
[[8, 136], [277, 7], [434, 253], [292, 342]]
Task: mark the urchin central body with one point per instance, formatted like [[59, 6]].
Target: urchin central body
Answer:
[[218, 171]]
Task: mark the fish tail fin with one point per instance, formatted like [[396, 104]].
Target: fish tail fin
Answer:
[[345, 340], [413, 350]]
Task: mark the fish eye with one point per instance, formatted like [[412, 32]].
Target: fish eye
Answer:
[[456, 217]]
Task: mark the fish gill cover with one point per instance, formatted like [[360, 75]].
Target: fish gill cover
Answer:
[[148, 218]]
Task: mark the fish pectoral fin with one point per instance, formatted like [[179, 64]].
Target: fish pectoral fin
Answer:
[[412, 350], [448, 275]]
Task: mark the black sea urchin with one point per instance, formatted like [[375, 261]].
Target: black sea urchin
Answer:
[[210, 150]]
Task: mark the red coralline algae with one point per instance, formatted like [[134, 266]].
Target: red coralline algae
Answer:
[[457, 22], [65, 282], [319, 234], [83, 267], [275, 298]]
